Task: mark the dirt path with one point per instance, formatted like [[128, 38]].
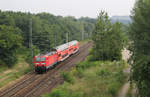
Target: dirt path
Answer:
[[124, 90], [134, 91]]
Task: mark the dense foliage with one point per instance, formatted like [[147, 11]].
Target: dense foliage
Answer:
[[9, 37], [108, 39], [47, 31], [140, 46]]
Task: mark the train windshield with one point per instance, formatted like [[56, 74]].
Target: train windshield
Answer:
[[40, 59]]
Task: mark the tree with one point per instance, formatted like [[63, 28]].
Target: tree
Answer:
[[140, 46], [108, 39], [10, 40]]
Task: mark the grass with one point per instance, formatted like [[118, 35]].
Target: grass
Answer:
[[92, 79], [8, 75], [83, 41]]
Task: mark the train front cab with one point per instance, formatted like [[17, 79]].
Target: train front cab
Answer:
[[40, 64]]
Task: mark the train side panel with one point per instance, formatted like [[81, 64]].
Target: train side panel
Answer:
[[75, 47], [70, 51], [51, 60], [64, 54]]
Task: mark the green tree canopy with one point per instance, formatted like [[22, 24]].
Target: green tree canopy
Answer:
[[10, 40], [108, 39], [140, 47]]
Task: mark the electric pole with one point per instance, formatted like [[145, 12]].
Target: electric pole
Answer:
[[30, 40], [67, 37], [55, 39], [82, 35]]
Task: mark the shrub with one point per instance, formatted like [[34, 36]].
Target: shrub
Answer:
[[68, 77], [120, 76], [59, 93], [80, 73], [113, 88], [63, 93]]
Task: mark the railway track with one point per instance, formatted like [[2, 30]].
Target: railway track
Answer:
[[34, 85]]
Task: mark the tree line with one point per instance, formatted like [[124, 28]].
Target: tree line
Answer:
[[47, 31]]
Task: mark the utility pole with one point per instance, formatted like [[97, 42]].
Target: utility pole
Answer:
[[55, 39], [67, 37], [30, 40], [82, 33]]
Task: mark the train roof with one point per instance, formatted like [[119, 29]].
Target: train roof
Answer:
[[46, 54], [61, 47], [65, 46]]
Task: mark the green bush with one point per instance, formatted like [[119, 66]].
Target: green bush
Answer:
[[86, 64], [58, 93], [120, 76], [80, 73], [113, 88], [68, 77], [63, 93]]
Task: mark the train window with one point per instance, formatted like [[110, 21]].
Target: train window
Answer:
[[40, 59], [64, 55]]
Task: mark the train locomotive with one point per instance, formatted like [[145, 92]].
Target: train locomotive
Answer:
[[45, 61]]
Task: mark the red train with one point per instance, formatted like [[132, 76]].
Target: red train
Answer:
[[44, 61]]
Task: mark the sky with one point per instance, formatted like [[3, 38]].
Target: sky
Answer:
[[77, 8]]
